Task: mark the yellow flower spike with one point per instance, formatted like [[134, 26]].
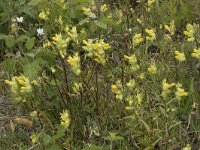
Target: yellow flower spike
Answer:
[[131, 84], [132, 61], [8, 82], [96, 50], [152, 69], [196, 53], [180, 92], [117, 90], [191, 31], [170, 28], [166, 88], [73, 34], [104, 8], [65, 120], [151, 34], [137, 39], [34, 138], [42, 15], [66, 28], [74, 62], [180, 56], [139, 21]]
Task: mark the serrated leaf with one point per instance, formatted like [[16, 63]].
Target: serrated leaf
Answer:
[[9, 65], [101, 25], [10, 41], [30, 43], [31, 70], [21, 38]]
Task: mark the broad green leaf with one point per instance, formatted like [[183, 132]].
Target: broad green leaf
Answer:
[[31, 70], [30, 43], [10, 41], [101, 25]]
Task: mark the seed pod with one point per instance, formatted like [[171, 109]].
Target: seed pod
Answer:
[[24, 121]]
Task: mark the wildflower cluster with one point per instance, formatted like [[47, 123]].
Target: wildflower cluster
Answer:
[[166, 88], [65, 120], [61, 44], [117, 89], [74, 62], [151, 36], [170, 28], [191, 31], [132, 60], [73, 34], [196, 53], [96, 50], [180, 92], [43, 15], [20, 85], [180, 56], [152, 69], [137, 39]]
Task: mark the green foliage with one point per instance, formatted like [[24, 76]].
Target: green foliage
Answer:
[[97, 75]]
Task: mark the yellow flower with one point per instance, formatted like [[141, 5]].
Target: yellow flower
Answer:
[[171, 28], [61, 44], [117, 90], [34, 138], [96, 50], [196, 53], [139, 98], [152, 69], [65, 120], [166, 88], [73, 34], [180, 56], [131, 83], [53, 70], [139, 20], [151, 34], [132, 61], [150, 2], [188, 147], [104, 8], [33, 114], [20, 85], [43, 15], [74, 62], [137, 39], [191, 31], [180, 92]]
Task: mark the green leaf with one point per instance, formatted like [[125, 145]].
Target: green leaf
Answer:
[[92, 147], [9, 65], [36, 2], [30, 43], [101, 25], [31, 70], [10, 41], [21, 38], [46, 139], [146, 125]]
